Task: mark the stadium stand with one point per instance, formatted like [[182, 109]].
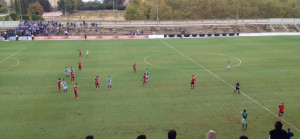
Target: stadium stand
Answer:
[[51, 28]]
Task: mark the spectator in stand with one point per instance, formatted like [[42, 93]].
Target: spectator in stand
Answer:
[[141, 137], [278, 133], [26, 28], [66, 33], [211, 134], [289, 133], [172, 134], [142, 32], [243, 137], [89, 137]]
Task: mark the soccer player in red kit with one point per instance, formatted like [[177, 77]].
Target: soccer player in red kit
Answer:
[[72, 77], [193, 82], [80, 55], [58, 83], [145, 80], [97, 83], [75, 91], [134, 67], [281, 110], [79, 66]]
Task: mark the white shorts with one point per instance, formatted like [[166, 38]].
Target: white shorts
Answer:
[[228, 67], [65, 87], [87, 54], [109, 83], [244, 121]]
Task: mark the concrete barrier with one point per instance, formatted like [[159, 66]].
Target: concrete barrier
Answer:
[[271, 34], [156, 36]]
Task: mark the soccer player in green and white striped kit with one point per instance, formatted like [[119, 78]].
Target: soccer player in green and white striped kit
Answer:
[[147, 74], [244, 120], [109, 83]]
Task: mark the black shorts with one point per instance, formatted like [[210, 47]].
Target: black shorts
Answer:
[[192, 82], [73, 77], [281, 112], [237, 88], [79, 67], [96, 83]]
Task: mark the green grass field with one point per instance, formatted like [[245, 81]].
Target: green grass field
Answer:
[[268, 69]]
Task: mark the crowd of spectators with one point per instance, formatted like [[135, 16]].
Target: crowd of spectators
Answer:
[[277, 133], [27, 28], [48, 28]]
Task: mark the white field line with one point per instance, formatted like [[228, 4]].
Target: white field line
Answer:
[[227, 83], [18, 62], [145, 60], [11, 56]]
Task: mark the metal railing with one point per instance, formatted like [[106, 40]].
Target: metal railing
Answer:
[[177, 22], [9, 23], [284, 20]]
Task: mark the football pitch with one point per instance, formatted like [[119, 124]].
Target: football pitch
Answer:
[[268, 69]]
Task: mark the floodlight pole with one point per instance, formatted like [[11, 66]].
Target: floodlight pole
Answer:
[[66, 11], [237, 12], [20, 10], [114, 9], [8, 12], [157, 12]]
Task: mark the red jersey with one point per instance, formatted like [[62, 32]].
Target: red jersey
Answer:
[[281, 108], [193, 79], [79, 63], [134, 66], [58, 83], [96, 80], [75, 88], [72, 73], [145, 78]]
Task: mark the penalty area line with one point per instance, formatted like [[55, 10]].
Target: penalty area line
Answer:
[[205, 69], [11, 56]]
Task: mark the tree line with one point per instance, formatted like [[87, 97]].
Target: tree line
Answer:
[[25, 9], [24, 5], [74, 5], [211, 9]]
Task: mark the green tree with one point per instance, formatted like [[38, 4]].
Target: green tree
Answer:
[[35, 8], [3, 6], [46, 5], [215, 9], [71, 5], [137, 10], [24, 4]]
